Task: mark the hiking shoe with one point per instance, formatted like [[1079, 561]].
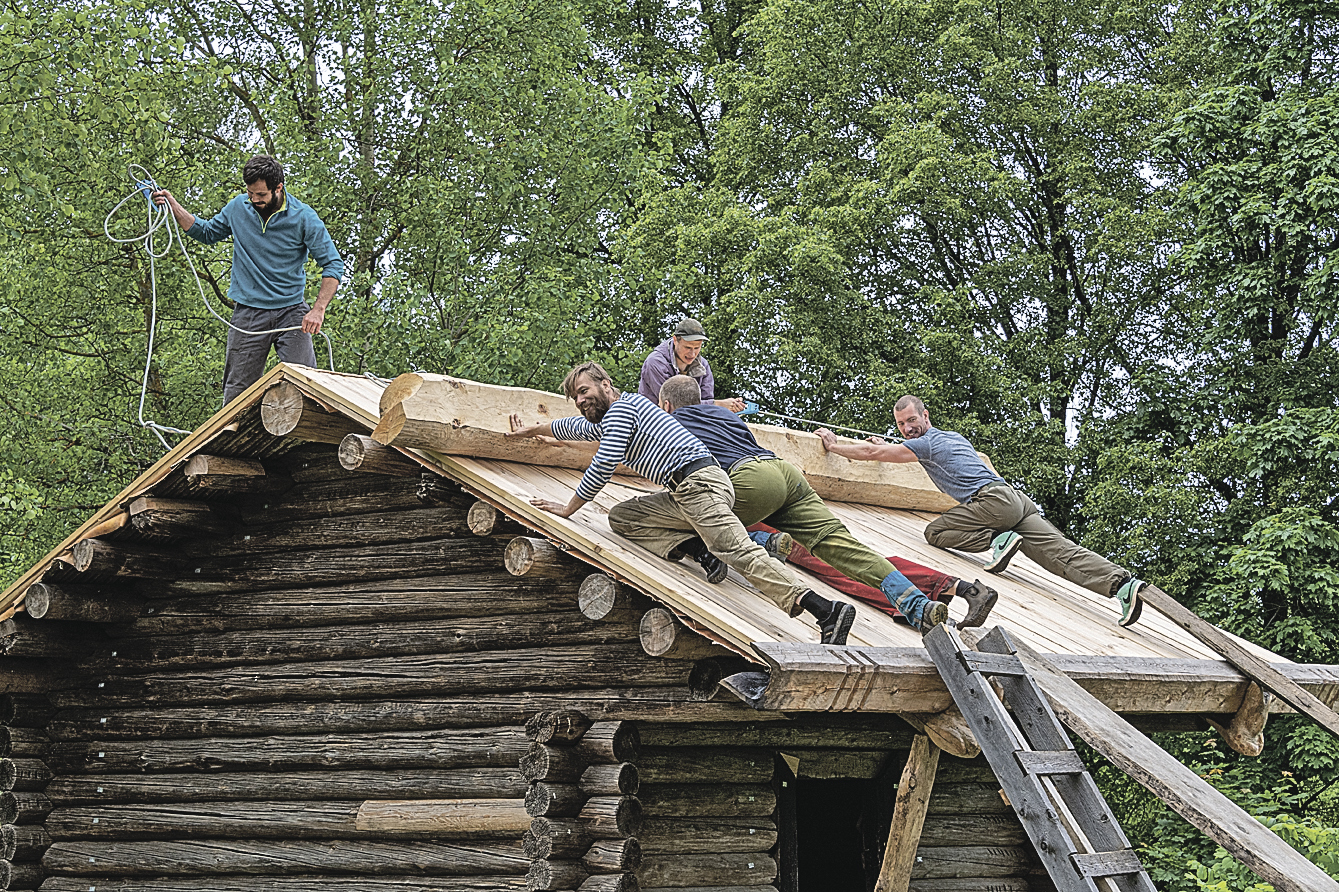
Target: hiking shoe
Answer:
[[1002, 550], [837, 624], [1131, 605], [779, 545], [980, 600], [713, 566], [934, 614]]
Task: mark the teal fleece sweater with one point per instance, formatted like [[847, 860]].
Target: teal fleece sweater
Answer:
[[267, 256]]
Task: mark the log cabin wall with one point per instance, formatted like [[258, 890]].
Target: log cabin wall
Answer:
[[274, 673]]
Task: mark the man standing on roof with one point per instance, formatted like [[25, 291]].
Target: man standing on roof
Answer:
[[773, 490], [990, 513], [273, 234], [693, 517], [682, 355]]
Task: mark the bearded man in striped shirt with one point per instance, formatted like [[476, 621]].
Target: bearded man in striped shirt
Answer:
[[693, 517]]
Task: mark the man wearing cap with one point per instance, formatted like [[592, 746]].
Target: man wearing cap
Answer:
[[681, 354]]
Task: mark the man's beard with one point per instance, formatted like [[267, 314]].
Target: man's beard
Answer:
[[267, 209], [595, 411]]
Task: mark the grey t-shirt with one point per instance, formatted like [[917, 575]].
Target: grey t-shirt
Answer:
[[952, 463]]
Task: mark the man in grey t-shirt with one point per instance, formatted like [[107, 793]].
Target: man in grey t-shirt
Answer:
[[990, 513]]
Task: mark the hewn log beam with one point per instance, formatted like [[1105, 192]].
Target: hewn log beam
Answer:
[[554, 800], [359, 452], [909, 807], [612, 817], [286, 411], [350, 531], [453, 818], [22, 842], [556, 838], [612, 856], [689, 765], [24, 775], [545, 875]]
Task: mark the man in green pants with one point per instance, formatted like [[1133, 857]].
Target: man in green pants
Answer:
[[769, 489], [990, 513]]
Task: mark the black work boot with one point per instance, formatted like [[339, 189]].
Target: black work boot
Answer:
[[835, 618], [980, 600], [713, 566]]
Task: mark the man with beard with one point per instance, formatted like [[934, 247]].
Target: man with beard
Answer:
[[692, 518], [272, 236], [770, 490]]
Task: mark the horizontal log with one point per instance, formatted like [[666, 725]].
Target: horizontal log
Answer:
[[452, 748], [975, 884], [359, 452], [281, 857], [601, 597], [828, 732], [610, 882], [21, 874], [666, 835], [720, 800], [287, 884], [545, 875], [412, 597], [289, 819], [617, 779], [609, 743], [612, 817], [765, 888], [554, 800], [613, 856], [171, 519], [286, 411], [662, 635], [297, 717], [352, 494], [434, 489], [22, 842], [26, 709], [353, 641], [724, 869], [538, 559], [557, 838], [224, 475], [44, 600], [935, 862], [399, 783], [55, 640], [347, 531], [461, 818], [24, 775], [486, 520], [990, 830], [309, 462], [532, 669], [24, 807], [554, 764], [681, 765], [557, 726], [967, 799]]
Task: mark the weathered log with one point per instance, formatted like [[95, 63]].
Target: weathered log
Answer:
[[280, 857], [612, 817], [23, 743], [222, 474], [601, 597], [610, 882], [348, 531], [662, 635], [538, 559], [434, 489], [934, 862], [613, 856], [56, 640], [966, 799], [287, 884], [460, 818], [909, 808], [289, 819], [417, 597], [359, 452], [24, 775], [610, 742], [95, 558], [295, 717], [22, 842], [557, 726], [32, 675], [352, 494], [179, 518], [553, 764], [310, 463], [21, 874], [723, 800], [24, 808], [704, 681], [343, 642], [398, 783], [454, 748], [684, 765], [975, 884], [677, 836], [544, 875], [26, 710], [287, 412], [554, 800], [106, 527], [803, 732], [486, 520], [530, 669], [556, 838], [619, 779], [952, 830], [45, 600], [724, 869], [767, 888]]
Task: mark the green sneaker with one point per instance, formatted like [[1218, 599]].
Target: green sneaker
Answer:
[[1131, 605], [1002, 550]]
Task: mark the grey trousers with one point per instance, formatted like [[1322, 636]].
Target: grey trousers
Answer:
[[245, 359], [661, 521], [992, 511]]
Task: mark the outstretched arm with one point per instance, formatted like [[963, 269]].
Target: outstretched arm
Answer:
[[874, 449]]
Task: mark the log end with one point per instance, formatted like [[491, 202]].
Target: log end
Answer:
[[281, 408]]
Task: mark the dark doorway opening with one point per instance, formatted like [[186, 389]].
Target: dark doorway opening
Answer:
[[832, 824]]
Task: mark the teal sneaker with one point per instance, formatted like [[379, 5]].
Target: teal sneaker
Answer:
[[1131, 605], [1002, 550]]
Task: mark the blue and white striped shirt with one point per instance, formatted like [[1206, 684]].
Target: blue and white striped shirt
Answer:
[[636, 432]]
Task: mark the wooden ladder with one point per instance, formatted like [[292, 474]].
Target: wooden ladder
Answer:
[[1063, 812]]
